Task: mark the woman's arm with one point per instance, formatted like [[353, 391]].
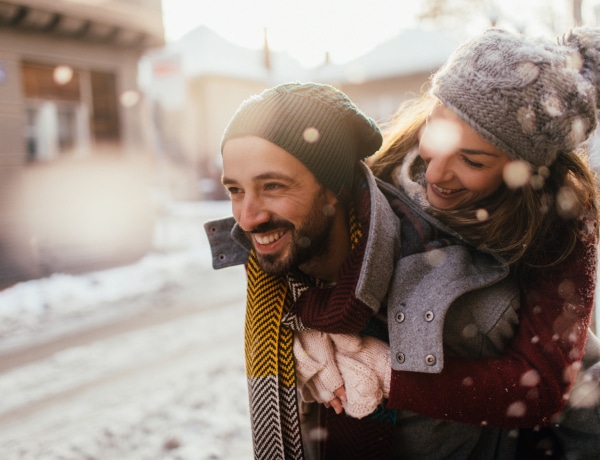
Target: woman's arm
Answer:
[[528, 385]]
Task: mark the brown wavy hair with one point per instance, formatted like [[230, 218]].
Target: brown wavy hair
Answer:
[[527, 225]]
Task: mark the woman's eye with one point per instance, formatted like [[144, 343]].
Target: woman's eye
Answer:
[[472, 163], [233, 190]]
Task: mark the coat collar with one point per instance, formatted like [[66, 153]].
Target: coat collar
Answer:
[[230, 246]]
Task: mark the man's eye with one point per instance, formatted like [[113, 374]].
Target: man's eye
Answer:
[[234, 190], [272, 186]]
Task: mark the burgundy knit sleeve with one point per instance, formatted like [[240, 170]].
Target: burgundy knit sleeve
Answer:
[[527, 385], [336, 309]]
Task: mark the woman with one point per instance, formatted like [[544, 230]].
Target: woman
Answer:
[[491, 152]]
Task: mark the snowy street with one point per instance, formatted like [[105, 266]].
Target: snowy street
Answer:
[[136, 362]]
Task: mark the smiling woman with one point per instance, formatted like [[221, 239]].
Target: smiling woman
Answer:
[[462, 167], [541, 225]]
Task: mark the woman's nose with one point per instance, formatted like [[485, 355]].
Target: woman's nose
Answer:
[[438, 168]]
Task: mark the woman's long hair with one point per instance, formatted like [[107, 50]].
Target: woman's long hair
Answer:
[[534, 225]]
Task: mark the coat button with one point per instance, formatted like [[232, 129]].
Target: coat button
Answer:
[[429, 316], [400, 358], [430, 360], [399, 317]]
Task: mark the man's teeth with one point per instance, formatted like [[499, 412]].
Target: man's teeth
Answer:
[[262, 239]]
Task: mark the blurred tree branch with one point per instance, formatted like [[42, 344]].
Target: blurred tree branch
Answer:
[[439, 12], [446, 14]]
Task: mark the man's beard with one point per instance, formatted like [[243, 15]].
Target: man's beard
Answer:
[[309, 241]]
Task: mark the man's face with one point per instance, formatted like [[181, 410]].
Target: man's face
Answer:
[[285, 212]]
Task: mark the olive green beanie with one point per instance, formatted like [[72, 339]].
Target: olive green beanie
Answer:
[[316, 123]]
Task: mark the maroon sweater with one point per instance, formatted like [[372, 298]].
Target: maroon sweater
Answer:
[[527, 385]]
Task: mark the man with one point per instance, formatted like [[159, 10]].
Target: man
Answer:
[[306, 209]]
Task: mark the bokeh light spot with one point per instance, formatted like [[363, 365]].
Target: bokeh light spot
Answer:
[[537, 182], [578, 129], [304, 242], [574, 61], [329, 210], [311, 135], [566, 289], [435, 258], [482, 215], [469, 331], [544, 171], [441, 136], [516, 409], [62, 74], [553, 105], [516, 174], [129, 98], [566, 203], [585, 394], [526, 118], [318, 434], [530, 378], [571, 372]]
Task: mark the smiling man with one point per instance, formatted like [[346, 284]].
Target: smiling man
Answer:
[[305, 210], [287, 215]]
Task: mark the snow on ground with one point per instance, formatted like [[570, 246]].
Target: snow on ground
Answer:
[[173, 390], [27, 309]]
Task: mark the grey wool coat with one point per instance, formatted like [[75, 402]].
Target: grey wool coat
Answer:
[[415, 291]]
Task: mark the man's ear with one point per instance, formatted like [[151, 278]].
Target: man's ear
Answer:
[[342, 198]]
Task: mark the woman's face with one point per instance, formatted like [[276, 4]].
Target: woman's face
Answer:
[[462, 167]]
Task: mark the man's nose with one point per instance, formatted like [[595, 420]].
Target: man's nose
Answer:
[[252, 213]]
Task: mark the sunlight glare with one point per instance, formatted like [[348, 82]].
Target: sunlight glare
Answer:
[[443, 136]]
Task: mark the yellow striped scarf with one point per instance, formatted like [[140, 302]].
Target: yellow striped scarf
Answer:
[[274, 415]]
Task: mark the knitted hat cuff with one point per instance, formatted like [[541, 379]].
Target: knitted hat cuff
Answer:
[[532, 98]]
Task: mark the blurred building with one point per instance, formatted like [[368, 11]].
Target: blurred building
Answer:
[[72, 190], [195, 85], [392, 72]]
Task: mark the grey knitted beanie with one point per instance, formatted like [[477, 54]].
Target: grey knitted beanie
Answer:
[[531, 98], [316, 123]]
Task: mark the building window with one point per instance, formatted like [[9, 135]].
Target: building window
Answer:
[[105, 112], [56, 83]]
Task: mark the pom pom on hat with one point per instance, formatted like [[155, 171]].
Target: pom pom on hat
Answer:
[[316, 123], [586, 40], [530, 97]]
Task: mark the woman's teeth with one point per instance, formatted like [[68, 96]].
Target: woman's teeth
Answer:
[[445, 191]]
